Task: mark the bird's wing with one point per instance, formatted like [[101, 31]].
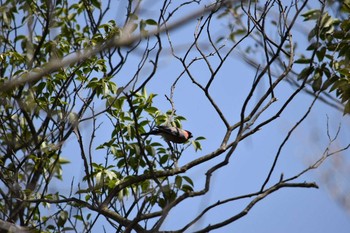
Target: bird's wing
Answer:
[[169, 130]]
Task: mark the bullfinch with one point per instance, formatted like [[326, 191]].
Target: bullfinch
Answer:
[[171, 134]]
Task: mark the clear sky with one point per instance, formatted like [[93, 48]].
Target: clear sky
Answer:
[[287, 210]]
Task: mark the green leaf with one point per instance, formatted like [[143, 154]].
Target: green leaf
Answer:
[[305, 73], [63, 161], [41, 87], [78, 217], [20, 37], [321, 53], [156, 144], [71, 16], [314, 46], [336, 85], [51, 227], [121, 163], [317, 82], [339, 34], [311, 14], [188, 180], [164, 159], [62, 218], [144, 93], [161, 202], [87, 197], [347, 107], [178, 181], [151, 110], [345, 25], [312, 34], [197, 146], [303, 61], [327, 83], [326, 20], [96, 3], [151, 22], [345, 72], [186, 188]]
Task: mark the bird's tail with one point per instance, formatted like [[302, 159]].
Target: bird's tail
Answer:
[[153, 132]]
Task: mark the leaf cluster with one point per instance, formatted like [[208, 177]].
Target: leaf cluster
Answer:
[[328, 66]]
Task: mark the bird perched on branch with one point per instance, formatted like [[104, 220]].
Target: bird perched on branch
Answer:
[[171, 134]]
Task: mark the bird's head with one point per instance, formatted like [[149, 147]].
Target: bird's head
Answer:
[[189, 134]]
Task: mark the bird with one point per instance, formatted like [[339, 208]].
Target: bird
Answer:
[[171, 134]]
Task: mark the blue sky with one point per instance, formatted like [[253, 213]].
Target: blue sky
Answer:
[[287, 210]]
